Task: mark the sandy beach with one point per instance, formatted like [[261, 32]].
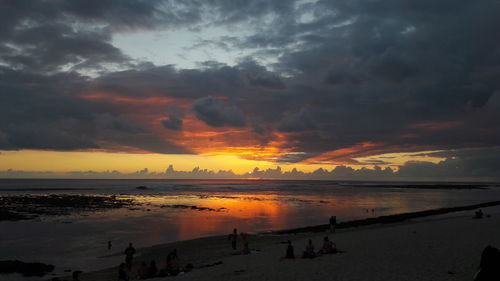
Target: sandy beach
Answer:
[[444, 247]]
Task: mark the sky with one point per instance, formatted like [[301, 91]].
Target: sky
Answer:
[[379, 89]]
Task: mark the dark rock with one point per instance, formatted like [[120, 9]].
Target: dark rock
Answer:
[[193, 207], [22, 207], [6, 215], [27, 269]]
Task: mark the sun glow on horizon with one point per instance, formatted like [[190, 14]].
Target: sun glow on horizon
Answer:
[[57, 161], [99, 161]]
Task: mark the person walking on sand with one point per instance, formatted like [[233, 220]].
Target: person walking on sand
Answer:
[[233, 237], [129, 256], [333, 223]]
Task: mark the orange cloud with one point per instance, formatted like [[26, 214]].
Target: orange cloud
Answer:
[[343, 155], [240, 142]]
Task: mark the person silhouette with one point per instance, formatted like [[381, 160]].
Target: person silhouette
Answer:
[[328, 247], [289, 251], [309, 252], [122, 274], [76, 275], [152, 270], [173, 267], [233, 237], [143, 271], [333, 223], [129, 256], [489, 266]]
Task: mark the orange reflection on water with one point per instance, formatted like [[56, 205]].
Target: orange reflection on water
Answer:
[[243, 210], [188, 216], [225, 213]]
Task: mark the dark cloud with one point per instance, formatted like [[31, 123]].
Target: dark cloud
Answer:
[[150, 80], [466, 163], [216, 114], [404, 75], [296, 121], [52, 47], [46, 112], [172, 123]]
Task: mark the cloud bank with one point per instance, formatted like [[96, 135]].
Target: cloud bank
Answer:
[[464, 165], [325, 81]]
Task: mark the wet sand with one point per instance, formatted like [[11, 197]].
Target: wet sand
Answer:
[[440, 247]]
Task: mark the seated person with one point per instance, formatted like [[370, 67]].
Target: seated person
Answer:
[[489, 265], [173, 268], [246, 250], [328, 247], [479, 214], [152, 270], [309, 252], [289, 251], [122, 273], [142, 272]]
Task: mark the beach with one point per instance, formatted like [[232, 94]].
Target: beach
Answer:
[[68, 224], [443, 247]]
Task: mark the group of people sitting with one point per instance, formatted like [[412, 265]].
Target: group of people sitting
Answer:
[[173, 268], [146, 271], [328, 248], [234, 238], [479, 214]]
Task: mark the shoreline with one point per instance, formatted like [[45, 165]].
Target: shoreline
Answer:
[[213, 254], [388, 219]]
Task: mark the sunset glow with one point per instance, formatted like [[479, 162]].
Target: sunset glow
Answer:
[[302, 84]]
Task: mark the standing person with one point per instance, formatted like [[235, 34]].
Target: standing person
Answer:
[[109, 245], [333, 223], [233, 237], [129, 255]]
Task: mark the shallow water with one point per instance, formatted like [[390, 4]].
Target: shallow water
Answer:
[[79, 241]]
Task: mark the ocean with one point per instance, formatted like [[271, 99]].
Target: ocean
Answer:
[[173, 210]]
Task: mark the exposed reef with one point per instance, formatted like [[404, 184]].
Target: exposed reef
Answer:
[[23, 207]]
